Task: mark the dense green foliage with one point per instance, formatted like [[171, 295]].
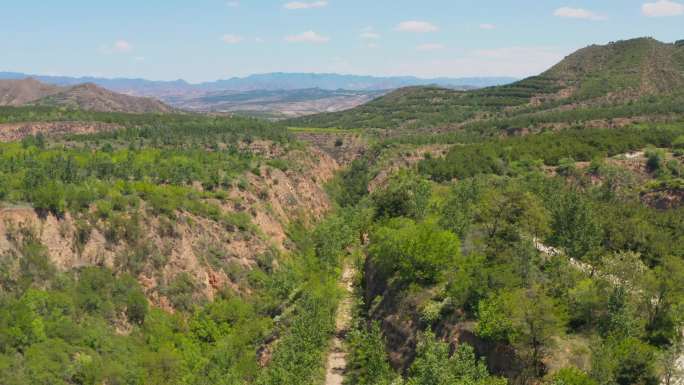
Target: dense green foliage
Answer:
[[605, 286], [66, 328], [511, 155], [166, 128], [413, 252], [63, 327], [406, 195], [93, 325], [367, 363], [507, 242], [298, 357], [598, 82], [435, 366]]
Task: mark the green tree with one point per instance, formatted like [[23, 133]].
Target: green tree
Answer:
[[527, 318], [572, 376], [574, 226], [352, 184], [406, 195], [635, 363], [458, 211], [415, 252], [566, 167], [494, 321], [433, 366], [136, 307], [49, 197], [509, 214], [368, 363], [663, 299], [654, 159]]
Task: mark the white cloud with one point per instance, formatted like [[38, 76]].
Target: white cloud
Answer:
[[487, 26], [307, 37], [577, 13], [372, 45], [369, 35], [416, 26], [119, 46], [232, 39], [122, 46], [431, 47], [305, 5], [259, 40], [233, 4], [662, 8]]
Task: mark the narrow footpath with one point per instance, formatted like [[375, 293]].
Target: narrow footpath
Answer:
[[337, 357]]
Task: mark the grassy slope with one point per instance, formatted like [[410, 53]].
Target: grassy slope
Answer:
[[595, 76]]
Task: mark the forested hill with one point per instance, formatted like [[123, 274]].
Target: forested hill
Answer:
[[643, 72]]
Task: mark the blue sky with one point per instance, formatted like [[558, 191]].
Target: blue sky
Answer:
[[210, 39]]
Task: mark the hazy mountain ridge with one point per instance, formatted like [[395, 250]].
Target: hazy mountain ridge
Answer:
[[330, 81], [87, 96], [291, 94], [271, 82]]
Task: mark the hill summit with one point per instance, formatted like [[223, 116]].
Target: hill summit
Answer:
[[595, 76], [87, 96], [20, 92], [630, 68]]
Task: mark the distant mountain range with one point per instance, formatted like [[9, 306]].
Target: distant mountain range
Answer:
[[266, 82], [273, 95], [291, 81]]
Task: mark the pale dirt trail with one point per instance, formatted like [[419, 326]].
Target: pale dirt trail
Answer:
[[337, 358]]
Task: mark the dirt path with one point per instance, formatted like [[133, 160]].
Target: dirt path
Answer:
[[337, 358]]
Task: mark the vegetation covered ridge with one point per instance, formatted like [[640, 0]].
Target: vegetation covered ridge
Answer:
[[626, 75]]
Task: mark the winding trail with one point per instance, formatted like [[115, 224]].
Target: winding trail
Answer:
[[337, 358]]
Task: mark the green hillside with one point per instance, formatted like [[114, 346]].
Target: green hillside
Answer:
[[527, 234], [633, 71]]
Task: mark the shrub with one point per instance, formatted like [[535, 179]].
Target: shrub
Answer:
[[434, 366], [406, 195], [181, 292], [368, 363], [655, 158], [49, 197], [414, 252], [572, 376], [136, 307], [566, 167]]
